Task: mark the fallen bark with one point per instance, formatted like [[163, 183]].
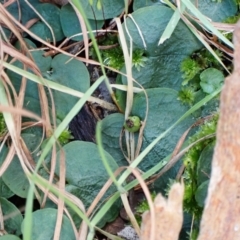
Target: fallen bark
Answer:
[[221, 216]]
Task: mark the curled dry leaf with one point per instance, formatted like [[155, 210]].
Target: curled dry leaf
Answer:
[[168, 216], [221, 217]]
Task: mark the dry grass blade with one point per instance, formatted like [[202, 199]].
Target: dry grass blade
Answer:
[[84, 31], [183, 137], [7, 160], [108, 235], [103, 191], [202, 38], [28, 61], [139, 31], [61, 184], [150, 202], [128, 63], [130, 213], [21, 57], [22, 112]]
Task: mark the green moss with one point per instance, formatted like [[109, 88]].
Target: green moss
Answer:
[[194, 234], [143, 207], [186, 95], [231, 20], [113, 56], [65, 137], [3, 126], [190, 161], [190, 69], [138, 59]]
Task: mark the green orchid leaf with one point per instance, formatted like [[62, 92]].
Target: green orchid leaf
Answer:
[[4, 190], [13, 217], [51, 14], [162, 68], [71, 25], [14, 177], [86, 174], [46, 218], [71, 73], [218, 10], [201, 193], [164, 110], [145, 3], [205, 163], [43, 64], [111, 128], [108, 9]]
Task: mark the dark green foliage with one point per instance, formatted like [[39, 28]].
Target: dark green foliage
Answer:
[[161, 70]]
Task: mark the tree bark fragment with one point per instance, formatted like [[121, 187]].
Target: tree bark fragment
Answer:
[[168, 216], [221, 216]]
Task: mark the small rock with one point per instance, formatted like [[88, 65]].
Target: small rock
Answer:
[[128, 233]]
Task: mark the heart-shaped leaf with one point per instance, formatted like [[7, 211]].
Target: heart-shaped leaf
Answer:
[[201, 193], [86, 173], [70, 23], [102, 10], [14, 177], [218, 10], [46, 218], [145, 3], [70, 73], [204, 163], [4, 190], [162, 69], [211, 80], [13, 217], [164, 110], [111, 127], [51, 14]]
